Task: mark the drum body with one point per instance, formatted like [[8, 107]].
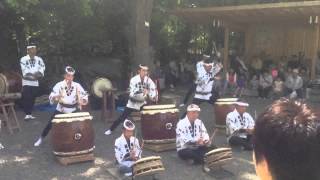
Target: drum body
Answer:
[[72, 134], [217, 157], [10, 82], [158, 122], [147, 166], [221, 109]]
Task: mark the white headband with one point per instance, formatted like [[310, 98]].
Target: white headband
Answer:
[[70, 70], [31, 46], [127, 127], [242, 104], [193, 107], [143, 67]]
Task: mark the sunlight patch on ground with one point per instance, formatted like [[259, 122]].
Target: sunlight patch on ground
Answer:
[[91, 172], [22, 160], [100, 161], [249, 176], [54, 178]]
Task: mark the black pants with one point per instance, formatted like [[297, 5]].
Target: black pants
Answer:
[[197, 101], [189, 93], [195, 154], [239, 141], [49, 124], [127, 111], [29, 94]]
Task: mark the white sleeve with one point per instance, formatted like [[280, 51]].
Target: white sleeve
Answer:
[[83, 93], [23, 66], [181, 134], [152, 88], [118, 153], [42, 66], [138, 150], [132, 88], [205, 134], [231, 125], [55, 92]]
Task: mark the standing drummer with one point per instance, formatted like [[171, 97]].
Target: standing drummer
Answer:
[[204, 83], [192, 139], [240, 126], [32, 68], [127, 148], [69, 96], [141, 88]]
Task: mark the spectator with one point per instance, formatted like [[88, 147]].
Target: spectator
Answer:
[[286, 142], [305, 79], [254, 82], [278, 88], [294, 85], [241, 82], [230, 81], [265, 84], [172, 74]]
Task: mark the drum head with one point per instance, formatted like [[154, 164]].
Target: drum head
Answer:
[[226, 101], [100, 85], [154, 109], [147, 159], [71, 117], [147, 166], [3, 84]]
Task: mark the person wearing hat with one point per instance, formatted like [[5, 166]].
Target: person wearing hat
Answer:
[[32, 68], [127, 148], [294, 84], [204, 91], [192, 138], [142, 88], [69, 97], [240, 125]]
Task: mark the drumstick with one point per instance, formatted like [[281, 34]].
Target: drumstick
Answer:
[[79, 98], [213, 135]]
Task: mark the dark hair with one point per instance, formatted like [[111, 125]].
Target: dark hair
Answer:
[[287, 136]]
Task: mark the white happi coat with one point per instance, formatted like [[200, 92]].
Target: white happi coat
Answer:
[[28, 66], [122, 149], [185, 133], [136, 98], [69, 95], [205, 81], [234, 122]]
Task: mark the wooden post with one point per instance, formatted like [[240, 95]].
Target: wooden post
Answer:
[[315, 51], [226, 48]]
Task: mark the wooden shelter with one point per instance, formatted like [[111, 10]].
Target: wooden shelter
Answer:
[[278, 29]]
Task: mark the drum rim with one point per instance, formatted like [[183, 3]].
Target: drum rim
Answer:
[[218, 150], [225, 103], [162, 141], [159, 107], [147, 158], [161, 111], [71, 115], [69, 120], [74, 152], [227, 99]]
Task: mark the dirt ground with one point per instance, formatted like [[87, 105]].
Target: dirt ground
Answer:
[[19, 160]]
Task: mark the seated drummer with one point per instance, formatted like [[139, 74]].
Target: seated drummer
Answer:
[[142, 88], [192, 138], [240, 126], [68, 95], [127, 149]]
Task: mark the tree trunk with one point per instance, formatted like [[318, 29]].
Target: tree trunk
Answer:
[[141, 51]]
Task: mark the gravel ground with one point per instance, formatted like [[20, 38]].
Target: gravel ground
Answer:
[[21, 161]]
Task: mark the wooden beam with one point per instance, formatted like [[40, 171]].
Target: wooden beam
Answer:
[[226, 49], [315, 51]]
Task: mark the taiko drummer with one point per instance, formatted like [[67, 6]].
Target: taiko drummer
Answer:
[[69, 96], [193, 141], [141, 88], [127, 148]]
